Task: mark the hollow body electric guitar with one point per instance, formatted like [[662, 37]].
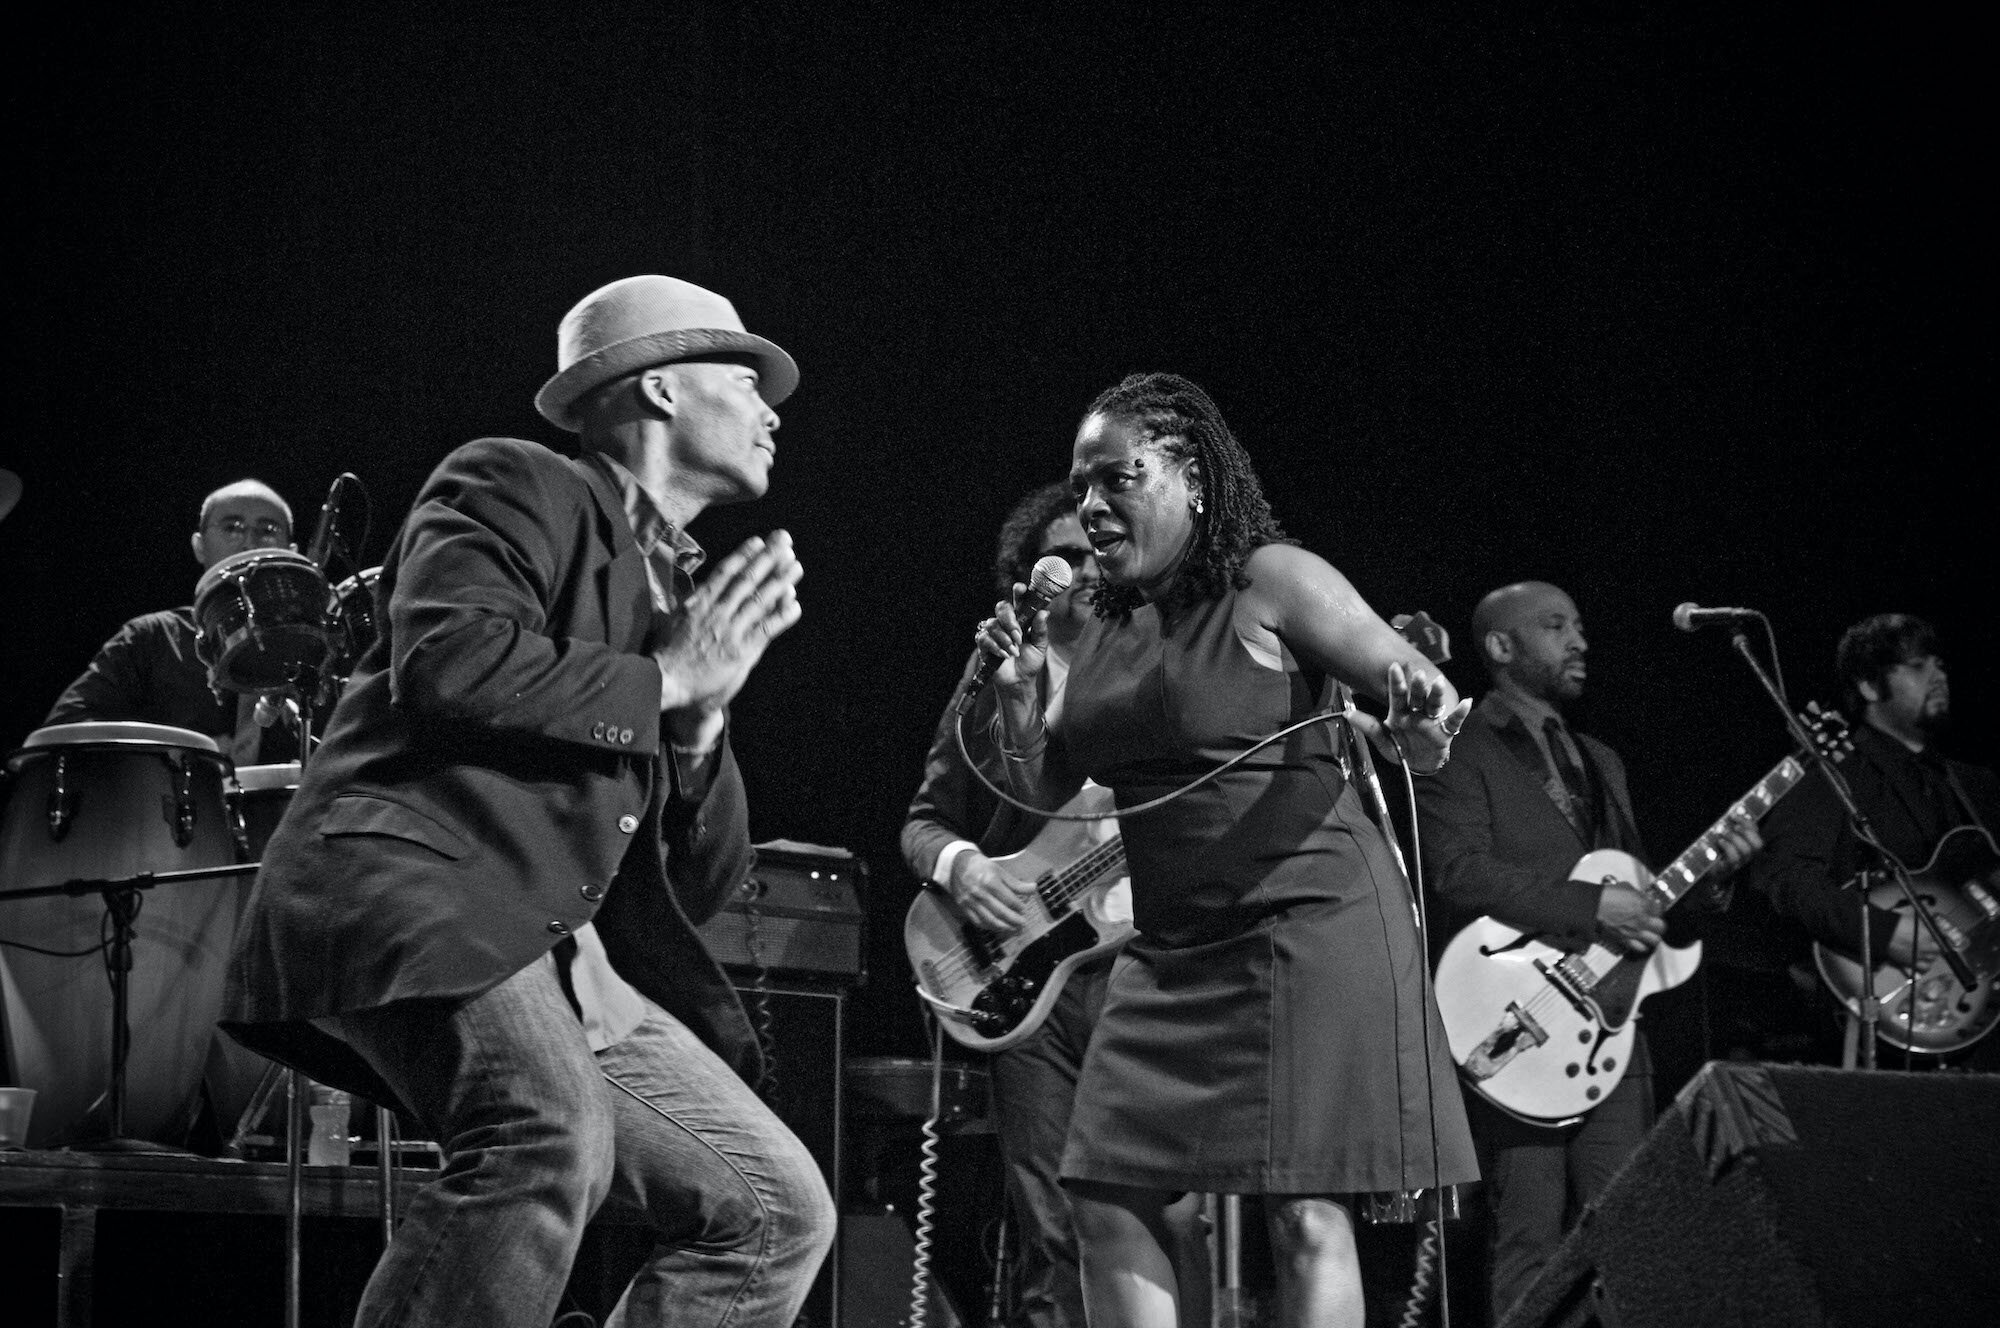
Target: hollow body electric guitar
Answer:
[[1545, 1034], [1928, 1011], [992, 990]]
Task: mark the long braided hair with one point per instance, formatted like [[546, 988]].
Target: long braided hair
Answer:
[[1235, 519]]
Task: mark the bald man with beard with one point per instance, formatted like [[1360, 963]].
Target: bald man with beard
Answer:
[[1503, 825]]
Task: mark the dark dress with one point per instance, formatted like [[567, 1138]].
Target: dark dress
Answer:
[[1270, 1029]]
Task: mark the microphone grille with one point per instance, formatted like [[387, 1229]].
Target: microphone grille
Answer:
[[1684, 615], [1051, 576]]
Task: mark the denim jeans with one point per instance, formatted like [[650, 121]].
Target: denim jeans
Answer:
[[540, 1136]]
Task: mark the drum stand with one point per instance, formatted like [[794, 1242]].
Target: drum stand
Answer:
[[121, 905]]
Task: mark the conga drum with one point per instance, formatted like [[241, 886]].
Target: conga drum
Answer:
[[111, 801], [262, 615], [258, 796]]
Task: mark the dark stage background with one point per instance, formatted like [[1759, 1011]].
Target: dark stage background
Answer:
[[1655, 301]]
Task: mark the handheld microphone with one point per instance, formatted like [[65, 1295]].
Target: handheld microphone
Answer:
[[1050, 578], [1691, 617], [329, 520]]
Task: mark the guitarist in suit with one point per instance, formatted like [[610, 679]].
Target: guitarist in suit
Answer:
[[1502, 826], [1914, 795], [953, 831]]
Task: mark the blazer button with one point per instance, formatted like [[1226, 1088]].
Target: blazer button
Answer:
[[593, 892], [625, 735], [597, 731], [559, 928], [628, 823]]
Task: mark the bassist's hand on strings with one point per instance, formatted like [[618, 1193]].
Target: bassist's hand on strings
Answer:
[[987, 895]]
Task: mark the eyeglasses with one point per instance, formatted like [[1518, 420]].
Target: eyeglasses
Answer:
[[235, 527]]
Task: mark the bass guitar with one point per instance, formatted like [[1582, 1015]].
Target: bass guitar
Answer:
[[1545, 1034], [992, 990], [1927, 1011]]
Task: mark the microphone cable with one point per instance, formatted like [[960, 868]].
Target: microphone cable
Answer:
[[1433, 1240]]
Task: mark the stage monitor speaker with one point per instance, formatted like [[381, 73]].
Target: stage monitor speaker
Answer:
[[1782, 1196], [878, 1259]]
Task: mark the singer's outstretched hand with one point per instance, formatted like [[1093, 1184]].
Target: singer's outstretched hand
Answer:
[[707, 648], [1417, 719]]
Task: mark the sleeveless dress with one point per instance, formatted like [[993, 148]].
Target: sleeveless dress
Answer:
[[1270, 1029]]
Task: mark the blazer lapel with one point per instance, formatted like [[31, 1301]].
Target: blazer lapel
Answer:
[[628, 600]]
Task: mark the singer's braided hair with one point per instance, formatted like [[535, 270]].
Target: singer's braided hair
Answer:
[[1235, 519], [1021, 534]]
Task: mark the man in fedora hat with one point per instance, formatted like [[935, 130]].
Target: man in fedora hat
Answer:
[[481, 904]]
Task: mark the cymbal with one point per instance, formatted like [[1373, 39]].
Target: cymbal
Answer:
[[10, 492]]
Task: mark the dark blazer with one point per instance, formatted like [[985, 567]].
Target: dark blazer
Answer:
[[1494, 841], [149, 673], [951, 804], [492, 779], [1812, 854]]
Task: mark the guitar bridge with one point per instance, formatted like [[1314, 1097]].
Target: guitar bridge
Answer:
[[1517, 1032]]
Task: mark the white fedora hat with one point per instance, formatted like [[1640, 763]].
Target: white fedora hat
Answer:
[[642, 321]]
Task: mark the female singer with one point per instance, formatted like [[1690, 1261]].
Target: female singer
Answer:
[[1269, 1030]]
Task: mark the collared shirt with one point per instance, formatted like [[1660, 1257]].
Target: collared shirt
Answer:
[[1534, 714], [672, 557]]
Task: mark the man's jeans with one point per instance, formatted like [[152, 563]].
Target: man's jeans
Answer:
[[539, 1133]]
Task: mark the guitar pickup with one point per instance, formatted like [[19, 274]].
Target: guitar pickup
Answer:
[[1517, 1032]]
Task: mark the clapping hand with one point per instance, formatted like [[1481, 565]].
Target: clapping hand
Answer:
[[707, 648]]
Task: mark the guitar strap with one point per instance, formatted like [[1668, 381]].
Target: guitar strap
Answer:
[[1972, 816]]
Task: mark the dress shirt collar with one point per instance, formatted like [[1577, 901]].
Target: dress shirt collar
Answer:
[[650, 526], [1532, 711]]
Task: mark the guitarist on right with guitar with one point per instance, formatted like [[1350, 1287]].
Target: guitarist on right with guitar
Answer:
[[1503, 824], [1935, 814]]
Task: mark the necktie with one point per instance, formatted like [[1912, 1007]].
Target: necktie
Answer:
[[1582, 809]]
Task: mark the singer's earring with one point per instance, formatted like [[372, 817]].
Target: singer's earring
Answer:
[[1194, 504]]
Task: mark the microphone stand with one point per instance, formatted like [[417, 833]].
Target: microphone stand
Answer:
[[121, 905], [1865, 832]]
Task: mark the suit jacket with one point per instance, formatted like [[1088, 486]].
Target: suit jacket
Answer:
[[1494, 841], [950, 804], [492, 779], [1812, 855], [149, 673]]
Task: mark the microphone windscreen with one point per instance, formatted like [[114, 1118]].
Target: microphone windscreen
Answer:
[[1051, 577]]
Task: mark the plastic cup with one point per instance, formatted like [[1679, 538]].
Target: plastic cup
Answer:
[[329, 1144], [16, 1105]]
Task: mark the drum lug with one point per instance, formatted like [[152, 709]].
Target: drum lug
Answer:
[[179, 809], [239, 828], [62, 802]]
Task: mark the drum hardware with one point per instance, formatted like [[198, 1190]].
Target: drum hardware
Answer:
[[121, 903], [179, 810], [62, 801]]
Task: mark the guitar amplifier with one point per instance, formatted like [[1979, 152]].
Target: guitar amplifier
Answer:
[[797, 914]]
